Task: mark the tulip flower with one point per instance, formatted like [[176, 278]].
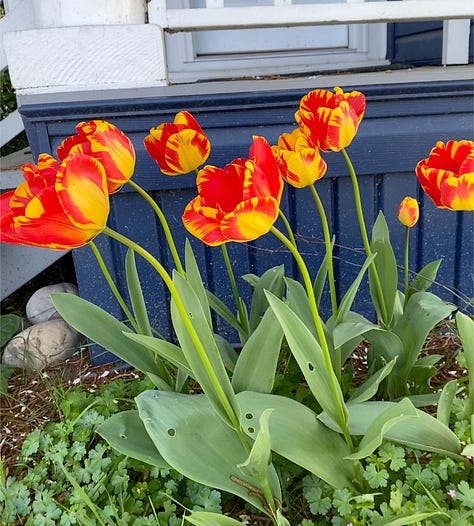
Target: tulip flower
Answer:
[[447, 175], [106, 143], [239, 202], [179, 147], [330, 120], [300, 164], [408, 212], [57, 206]]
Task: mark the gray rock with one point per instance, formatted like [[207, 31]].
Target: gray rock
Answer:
[[40, 308], [41, 345]]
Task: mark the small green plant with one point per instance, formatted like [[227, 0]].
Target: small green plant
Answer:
[[66, 474]]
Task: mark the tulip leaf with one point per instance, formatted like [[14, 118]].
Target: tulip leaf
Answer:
[[258, 360], [445, 403], [465, 326], [197, 341], [193, 277], [136, 295], [195, 441], [221, 309], [349, 296], [370, 387], [271, 280], [126, 433], [405, 520], [103, 329], [296, 434], [422, 312], [306, 349], [386, 269], [164, 349], [298, 302], [321, 275], [425, 433], [425, 278], [380, 426], [227, 352], [207, 518]]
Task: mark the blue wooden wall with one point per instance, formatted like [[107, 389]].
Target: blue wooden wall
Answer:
[[401, 125]]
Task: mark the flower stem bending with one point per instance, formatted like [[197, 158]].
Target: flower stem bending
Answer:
[[224, 401], [163, 221], [405, 260], [363, 231], [112, 286], [327, 242]]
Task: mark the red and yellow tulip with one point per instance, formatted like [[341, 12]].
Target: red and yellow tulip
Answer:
[[179, 147], [447, 175], [300, 164], [408, 212], [330, 120], [107, 144], [57, 206], [239, 202]]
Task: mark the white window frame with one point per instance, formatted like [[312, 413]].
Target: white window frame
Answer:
[[367, 47]]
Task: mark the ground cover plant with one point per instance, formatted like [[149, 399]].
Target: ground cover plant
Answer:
[[278, 421]]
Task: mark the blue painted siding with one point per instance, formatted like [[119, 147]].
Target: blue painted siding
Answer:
[[401, 125]]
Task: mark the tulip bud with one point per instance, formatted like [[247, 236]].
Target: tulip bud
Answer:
[[408, 212]]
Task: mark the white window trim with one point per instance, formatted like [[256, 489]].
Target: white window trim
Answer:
[[367, 47]]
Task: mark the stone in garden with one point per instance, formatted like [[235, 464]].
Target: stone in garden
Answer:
[[41, 345], [40, 308]]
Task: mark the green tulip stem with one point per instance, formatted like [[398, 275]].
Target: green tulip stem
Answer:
[[327, 242], [363, 231], [288, 228], [112, 285], [405, 259], [319, 330], [225, 403], [163, 221], [238, 302]]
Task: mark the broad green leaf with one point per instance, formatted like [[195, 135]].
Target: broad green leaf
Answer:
[[207, 518], [258, 360], [164, 349], [349, 296], [103, 329], [197, 341], [136, 294], [193, 277], [465, 326], [370, 387], [195, 441], [425, 278], [296, 434], [126, 433], [422, 400], [422, 312], [271, 280], [354, 325], [468, 451], [380, 426], [261, 453], [318, 373], [320, 279], [386, 266], [425, 433], [445, 404], [227, 352], [221, 309], [9, 326], [298, 302]]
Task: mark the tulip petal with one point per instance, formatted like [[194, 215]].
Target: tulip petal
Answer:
[[185, 151], [222, 186], [81, 187], [250, 220], [203, 222], [457, 193], [262, 175]]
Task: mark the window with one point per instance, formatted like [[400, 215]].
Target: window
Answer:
[[226, 54]]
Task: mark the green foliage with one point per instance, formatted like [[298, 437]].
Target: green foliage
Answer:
[[9, 326], [66, 474]]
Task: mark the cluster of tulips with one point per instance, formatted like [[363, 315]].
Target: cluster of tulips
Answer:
[[64, 203]]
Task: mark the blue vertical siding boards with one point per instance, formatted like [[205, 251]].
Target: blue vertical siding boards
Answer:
[[401, 125]]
